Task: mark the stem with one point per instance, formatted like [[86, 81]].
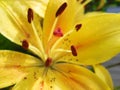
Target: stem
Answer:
[[113, 65]]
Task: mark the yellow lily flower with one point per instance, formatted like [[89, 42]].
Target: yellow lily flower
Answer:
[[61, 44]]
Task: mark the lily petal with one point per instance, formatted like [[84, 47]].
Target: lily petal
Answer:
[[53, 22], [29, 81], [80, 11], [39, 6], [14, 66], [10, 76], [73, 77], [16, 59], [103, 73], [14, 24], [98, 34]]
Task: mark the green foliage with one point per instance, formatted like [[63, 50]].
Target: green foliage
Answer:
[[92, 6]]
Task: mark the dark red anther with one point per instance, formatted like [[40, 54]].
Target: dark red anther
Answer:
[[30, 15], [61, 9], [58, 32], [78, 26], [25, 44], [73, 49], [48, 62]]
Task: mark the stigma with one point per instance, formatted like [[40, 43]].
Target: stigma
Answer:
[[58, 32]]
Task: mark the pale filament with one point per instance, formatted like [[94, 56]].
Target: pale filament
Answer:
[[53, 28], [42, 52]]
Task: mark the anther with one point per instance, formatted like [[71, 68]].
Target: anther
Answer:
[[61, 9], [30, 15], [78, 26], [58, 32], [73, 49], [48, 62], [25, 44]]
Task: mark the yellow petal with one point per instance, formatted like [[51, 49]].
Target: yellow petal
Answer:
[[73, 77], [39, 6], [103, 74], [63, 21], [17, 59], [29, 81], [80, 10], [14, 66], [9, 76], [99, 34], [14, 24]]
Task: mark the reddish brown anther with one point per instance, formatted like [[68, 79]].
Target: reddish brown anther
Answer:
[[58, 32], [61, 9], [73, 49], [78, 26], [25, 44], [48, 62], [30, 15]]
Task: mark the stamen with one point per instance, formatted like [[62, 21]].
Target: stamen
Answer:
[[61, 9], [48, 62], [78, 26], [25, 44], [58, 32], [73, 49], [38, 40], [30, 15]]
